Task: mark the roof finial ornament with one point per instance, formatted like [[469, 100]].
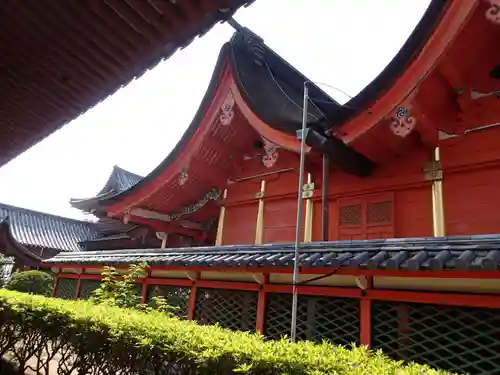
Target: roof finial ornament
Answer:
[[493, 12]]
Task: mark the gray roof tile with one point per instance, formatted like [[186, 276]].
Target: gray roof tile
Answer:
[[461, 253], [38, 229]]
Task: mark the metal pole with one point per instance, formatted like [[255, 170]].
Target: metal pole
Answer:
[[295, 296]]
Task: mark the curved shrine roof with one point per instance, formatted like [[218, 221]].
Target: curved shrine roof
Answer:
[[261, 89], [272, 90], [76, 53]]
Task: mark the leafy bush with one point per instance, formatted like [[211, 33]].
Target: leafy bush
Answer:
[[120, 289], [34, 282], [102, 339]]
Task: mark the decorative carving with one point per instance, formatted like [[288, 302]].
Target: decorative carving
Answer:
[[227, 110], [493, 12], [403, 123], [211, 195], [271, 154], [183, 177]]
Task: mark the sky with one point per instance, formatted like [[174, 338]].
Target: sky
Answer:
[[342, 43]]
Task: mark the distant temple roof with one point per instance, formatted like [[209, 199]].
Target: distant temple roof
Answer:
[[38, 235], [76, 53], [118, 181]]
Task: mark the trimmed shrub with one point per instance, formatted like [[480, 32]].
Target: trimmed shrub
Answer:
[[34, 282], [102, 339]]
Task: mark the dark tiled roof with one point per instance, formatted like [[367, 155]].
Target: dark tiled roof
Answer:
[[118, 181], [38, 229], [459, 253]]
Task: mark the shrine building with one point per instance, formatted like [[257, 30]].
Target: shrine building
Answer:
[[400, 236]]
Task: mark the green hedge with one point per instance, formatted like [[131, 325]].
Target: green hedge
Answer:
[[96, 339], [34, 281]]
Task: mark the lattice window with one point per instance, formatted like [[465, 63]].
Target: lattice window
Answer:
[[379, 213], [458, 339], [350, 215], [318, 318], [233, 309], [66, 288], [175, 296], [87, 287]]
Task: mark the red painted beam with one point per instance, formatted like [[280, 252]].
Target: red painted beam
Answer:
[[168, 227], [437, 298], [321, 271], [167, 281], [228, 285], [315, 290]]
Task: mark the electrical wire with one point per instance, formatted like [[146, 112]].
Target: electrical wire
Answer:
[[319, 277], [288, 97]]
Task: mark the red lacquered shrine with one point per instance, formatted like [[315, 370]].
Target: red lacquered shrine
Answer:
[[400, 232]]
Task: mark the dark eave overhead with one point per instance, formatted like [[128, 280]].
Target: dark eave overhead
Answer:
[[480, 252], [35, 229], [60, 58]]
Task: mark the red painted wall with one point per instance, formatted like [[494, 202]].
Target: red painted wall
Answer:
[[471, 167], [394, 202]]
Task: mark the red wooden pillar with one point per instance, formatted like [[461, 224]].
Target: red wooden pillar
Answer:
[[192, 302], [144, 290], [261, 305], [365, 328], [78, 287], [192, 298], [54, 285], [79, 283]]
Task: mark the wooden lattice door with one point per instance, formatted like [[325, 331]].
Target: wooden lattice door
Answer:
[[366, 217]]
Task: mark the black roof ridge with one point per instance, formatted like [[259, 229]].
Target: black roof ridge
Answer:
[[31, 211]]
